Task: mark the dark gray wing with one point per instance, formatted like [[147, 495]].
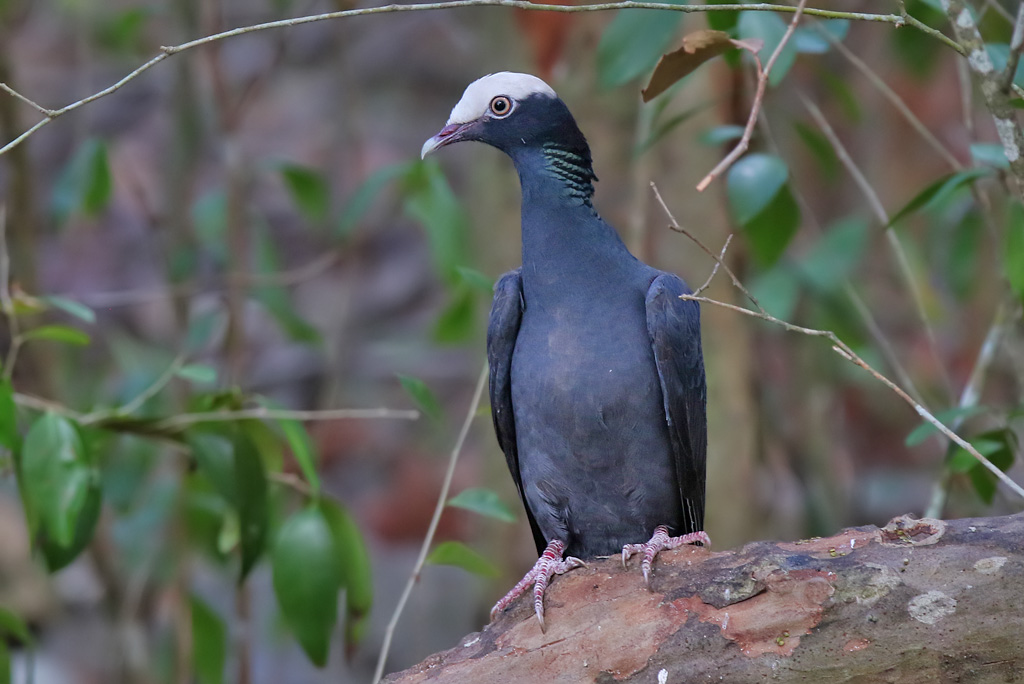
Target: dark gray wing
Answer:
[[502, 330], [674, 327]]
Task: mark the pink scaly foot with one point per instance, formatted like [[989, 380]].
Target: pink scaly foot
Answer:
[[659, 542], [547, 566]]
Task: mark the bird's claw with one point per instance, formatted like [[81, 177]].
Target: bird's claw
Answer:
[[547, 566], [659, 542]]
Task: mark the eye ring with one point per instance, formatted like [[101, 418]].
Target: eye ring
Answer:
[[501, 106]]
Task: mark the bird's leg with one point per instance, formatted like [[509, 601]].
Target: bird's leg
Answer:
[[659, 542], [547, 566]]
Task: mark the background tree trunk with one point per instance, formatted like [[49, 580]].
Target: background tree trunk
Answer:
[[916, 601]]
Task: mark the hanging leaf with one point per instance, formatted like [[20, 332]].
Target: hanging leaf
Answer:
[[461, 556], [308, 189], [811, 39], [722, 20], [198, 373], [821, 148], [13, 627], [209, 643], [999, 447], [275, 298], [720, 135], [252, 496], [423, 396], [71, 307], [769, 28], [57, 333], [777, 290], [8, 417], [938, 192], [215, 455], [697, 48], [754, 181], [302, 447], [483, 501], [925, 430], [1013, 254], [429, 200], [85, 184], [989, 154], [633, 42], [356, 572], [476, 279], [307, 578], [832, 259], [362, 199], [457, 321]]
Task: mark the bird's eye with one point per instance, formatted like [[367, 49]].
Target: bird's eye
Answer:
[[501, 106]]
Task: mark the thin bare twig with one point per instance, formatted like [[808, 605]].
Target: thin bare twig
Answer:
[[755, 106], [897, 20], [6, 303], [674, 225], [719, 260], [154, 389], [432, 529]]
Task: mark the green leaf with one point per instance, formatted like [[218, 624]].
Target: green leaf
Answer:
[[356, 571], [719, 135], [122, 32], [989, 154], [51, 470], [1013, 254], [362, 199], [215, 457], [275, 298], [57, 333], [768, 27], [833, 258], [925, 430], [198, 373], [809, 39], [457, 321], [252, 501], [999, 447], [307, 579], [12, 626], [938, 192], [71, 307], [762, 204], [423, 396], [821, 148], [999, 52], [85, 184], [633, 42], [209, 643], [778, 290], [8, 416], [87, 495], [722, 20], [961, 460], [769, 233], [461, 556], [429, 200], [303, 451], [476, 279], [308, 189], [483, 501], [754, 181], [5, 653]]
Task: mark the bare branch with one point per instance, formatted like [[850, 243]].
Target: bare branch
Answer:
[[755, 106], [442, 499], [897, 20], [38, 107]]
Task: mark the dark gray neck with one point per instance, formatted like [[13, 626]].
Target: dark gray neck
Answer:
[[565, 243]]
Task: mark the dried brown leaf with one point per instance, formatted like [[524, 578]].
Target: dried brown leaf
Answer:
[[697, 48]]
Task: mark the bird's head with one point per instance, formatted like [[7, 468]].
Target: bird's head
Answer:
[[511, 112]]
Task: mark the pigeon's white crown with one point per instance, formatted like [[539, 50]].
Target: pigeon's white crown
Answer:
[[477, 98]]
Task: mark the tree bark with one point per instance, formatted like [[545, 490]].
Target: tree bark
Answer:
[[916, 601]]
